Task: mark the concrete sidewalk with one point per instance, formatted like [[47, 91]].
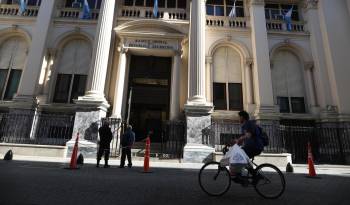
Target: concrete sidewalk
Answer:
[[339, 170]]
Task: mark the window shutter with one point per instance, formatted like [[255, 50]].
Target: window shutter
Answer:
[[83, 58], [66, 63], [6, 50], [233, 67], [220, 66], [287, 76], [20, 54]]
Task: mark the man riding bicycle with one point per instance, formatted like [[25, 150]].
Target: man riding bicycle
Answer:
[[251, 136], [250, 141]]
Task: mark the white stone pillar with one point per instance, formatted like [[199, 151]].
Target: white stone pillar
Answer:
[[120, 84], [249, 81], [310, 85], [175, 87], [92, 107], [261, 66], [197, 109], [197, 54], [102, 44], [28, 85], [322, 84], [209, 78]]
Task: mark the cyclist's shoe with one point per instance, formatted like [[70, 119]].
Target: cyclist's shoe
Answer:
[[257, 178], [241, 180]]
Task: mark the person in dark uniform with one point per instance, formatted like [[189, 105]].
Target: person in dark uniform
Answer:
[[104, 144], [127, 141]]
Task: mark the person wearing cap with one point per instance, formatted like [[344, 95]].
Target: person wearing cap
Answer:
[[127, 141]]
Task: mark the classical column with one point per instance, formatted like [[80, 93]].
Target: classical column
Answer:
[[175, 87], [197, 54], [120, 85], [249, 84], [261, 66], [92, 107], [322, 84], [29, 82], [311, 87], [102, 44], [209, 78], [197, 109]]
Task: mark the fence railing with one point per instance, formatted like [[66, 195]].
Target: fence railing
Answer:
[[73, 13], [330, 143], [147, 13], [13, 10], [278, 25], [173, 139], [43, 129], [226, 22]]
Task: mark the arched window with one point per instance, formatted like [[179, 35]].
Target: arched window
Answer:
[[288, 82], [13, 55], [72, 71], [224, 7], [227, 80]]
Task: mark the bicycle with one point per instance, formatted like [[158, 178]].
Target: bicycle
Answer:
[[215, 180]]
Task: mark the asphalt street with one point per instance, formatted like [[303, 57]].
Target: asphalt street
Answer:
[[38, 183]]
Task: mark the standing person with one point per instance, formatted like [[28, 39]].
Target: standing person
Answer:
[[128, 139], [104, 144]]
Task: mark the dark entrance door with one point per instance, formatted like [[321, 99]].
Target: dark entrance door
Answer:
[[149, 79]]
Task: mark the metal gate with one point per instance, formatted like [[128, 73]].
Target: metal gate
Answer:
[[173, 139]]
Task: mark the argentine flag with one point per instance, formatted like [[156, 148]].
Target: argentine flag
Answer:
[[22, 7], [86, 11], [233, 11], [155, 8], [288, 19]]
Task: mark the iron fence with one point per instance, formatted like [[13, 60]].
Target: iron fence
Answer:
[[220, 133], [34, 128], [173, 139], [330, 142]]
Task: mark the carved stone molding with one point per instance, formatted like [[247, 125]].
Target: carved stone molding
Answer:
[[309, 66], [249, 61], [256, 2], [208, 59], [310, 4]]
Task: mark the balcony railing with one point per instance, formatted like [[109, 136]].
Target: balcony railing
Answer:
[[147, 13], [278, 25], [73, 13], [226, 22], [13, 10]]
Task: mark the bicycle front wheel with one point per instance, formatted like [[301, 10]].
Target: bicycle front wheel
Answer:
[[214, 179], [269, 181]]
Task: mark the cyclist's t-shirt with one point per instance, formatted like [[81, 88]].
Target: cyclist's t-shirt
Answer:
[[254, 141]]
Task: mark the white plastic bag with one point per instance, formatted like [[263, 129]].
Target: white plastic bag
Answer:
[[235, 155], [238, 156]]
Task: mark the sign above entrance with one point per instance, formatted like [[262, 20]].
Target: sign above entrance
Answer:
[[152, 44]]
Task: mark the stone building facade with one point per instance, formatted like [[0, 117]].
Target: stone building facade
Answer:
[[190, 62]]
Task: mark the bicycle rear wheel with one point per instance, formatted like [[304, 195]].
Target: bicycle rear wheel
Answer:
[[269, 181], [214, 179]]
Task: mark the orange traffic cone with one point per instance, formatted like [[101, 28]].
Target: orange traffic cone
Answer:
[[147, 156], [73, 160], [310, 161]]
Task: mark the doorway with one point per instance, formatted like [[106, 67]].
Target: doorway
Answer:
[[149, 95]]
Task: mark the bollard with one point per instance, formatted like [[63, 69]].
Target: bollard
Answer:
[[8, 156]]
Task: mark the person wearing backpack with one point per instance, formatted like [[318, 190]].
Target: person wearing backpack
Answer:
[[251, 136]]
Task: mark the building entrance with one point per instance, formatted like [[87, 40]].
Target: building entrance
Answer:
[[149, 95]]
